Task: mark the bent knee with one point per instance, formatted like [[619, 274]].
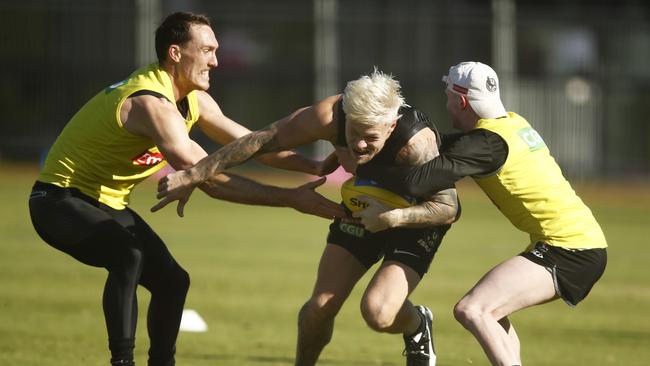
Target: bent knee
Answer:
[[177, 280], [181, 279], [322, 306], [126, 261], [174, 281], [377, 315], [466, 312]]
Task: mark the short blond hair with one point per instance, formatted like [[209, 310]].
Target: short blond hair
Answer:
[[373, 99]]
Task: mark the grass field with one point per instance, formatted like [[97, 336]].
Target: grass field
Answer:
[[253, 267]]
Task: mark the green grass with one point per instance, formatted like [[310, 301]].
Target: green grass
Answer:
[[253, 267]]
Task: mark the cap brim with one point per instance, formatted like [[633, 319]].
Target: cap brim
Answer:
[[488, 108]]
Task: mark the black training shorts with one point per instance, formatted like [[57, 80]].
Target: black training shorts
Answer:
[[412, 247], [574, 271]]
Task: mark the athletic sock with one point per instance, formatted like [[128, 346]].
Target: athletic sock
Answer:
[[122, 363], [421, 327], [122, 351], [162, 358]]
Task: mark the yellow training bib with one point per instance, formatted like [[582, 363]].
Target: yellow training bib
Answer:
[[97, 155], [532, 193]]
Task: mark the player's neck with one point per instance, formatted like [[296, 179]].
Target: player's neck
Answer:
[[180, 92]]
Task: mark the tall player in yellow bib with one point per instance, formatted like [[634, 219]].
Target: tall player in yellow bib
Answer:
[[511, 163], [121, 136]]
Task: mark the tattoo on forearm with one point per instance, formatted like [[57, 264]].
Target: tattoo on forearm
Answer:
[[441, 209], [238, 152]]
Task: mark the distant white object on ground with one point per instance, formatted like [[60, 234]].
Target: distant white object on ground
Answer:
[[191, 321]]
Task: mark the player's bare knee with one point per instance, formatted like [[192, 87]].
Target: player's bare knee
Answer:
[[467, 313], [379, 322], [377, 315], [322, 306]]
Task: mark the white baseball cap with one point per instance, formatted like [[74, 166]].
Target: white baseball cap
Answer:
[[480, 85]]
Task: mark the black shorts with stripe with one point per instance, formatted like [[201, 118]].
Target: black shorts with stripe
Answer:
[[574, 271], [412, 247]]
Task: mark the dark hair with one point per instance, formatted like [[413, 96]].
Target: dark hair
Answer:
[[175, 29]]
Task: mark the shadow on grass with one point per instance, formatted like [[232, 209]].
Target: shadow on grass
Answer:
[[231, 359]]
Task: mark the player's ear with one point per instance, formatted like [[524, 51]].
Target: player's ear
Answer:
[[463, 102], [392, 126], [174, 53]]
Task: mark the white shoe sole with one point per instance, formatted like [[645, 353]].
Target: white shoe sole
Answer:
[[429, 316]]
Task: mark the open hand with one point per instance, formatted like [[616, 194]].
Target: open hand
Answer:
[[306, 200], [176, 186]]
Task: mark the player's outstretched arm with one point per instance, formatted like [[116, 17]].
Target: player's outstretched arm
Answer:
[[234, 188], [303, 198], [178, 186], [238, 189], [223, 130], [303, 126]]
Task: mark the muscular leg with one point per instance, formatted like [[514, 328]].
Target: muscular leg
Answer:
[[338, 272], [98, 236], [512, 285], [168, 283], [125, 262], [113, 247], [120, 304], [512, 336], [384, 305], [168, 294]]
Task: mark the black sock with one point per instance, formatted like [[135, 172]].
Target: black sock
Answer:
[[122, 363], [421, 327], [122, 351], [162, 358]]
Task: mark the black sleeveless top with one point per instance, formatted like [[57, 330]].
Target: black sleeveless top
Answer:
[[411, 122]]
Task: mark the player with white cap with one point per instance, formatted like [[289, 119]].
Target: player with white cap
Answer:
[[509, 160]]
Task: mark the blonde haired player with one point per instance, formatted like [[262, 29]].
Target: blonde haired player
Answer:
[[511, 163], [373, 99], [369, 121]]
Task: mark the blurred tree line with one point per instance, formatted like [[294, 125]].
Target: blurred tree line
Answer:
[[577, 69]]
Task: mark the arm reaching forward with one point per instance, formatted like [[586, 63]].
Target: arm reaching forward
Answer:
[[238, 189], [303, 126], [178, 186]]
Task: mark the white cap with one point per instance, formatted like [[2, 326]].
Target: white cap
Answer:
[[480, 85]]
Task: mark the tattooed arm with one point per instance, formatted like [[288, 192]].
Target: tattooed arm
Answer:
[[440, 208], [235, 153], [301, 127]]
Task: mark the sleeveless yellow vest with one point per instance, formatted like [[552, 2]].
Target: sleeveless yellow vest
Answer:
[[97, 155], [532, 193]]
